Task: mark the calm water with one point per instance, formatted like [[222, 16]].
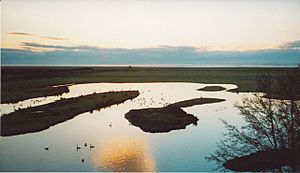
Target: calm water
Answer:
[[122, 147]]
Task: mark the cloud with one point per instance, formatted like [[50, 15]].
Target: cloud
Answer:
[[38, 36], [45, 46], [37, 53], [20, 33], [52, 38], [291, 45], [160, 49]]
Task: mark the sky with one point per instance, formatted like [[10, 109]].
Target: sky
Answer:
[[197, 32], [230, 25]]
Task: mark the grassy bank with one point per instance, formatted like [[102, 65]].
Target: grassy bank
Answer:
[[38, 118], [19, 80]]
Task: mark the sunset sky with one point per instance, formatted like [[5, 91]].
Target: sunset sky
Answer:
[[229, 25]]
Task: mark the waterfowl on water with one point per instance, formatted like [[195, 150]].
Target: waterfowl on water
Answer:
[[85, 144], [110, 125], [91, 146], [77, 147], [46, 148]]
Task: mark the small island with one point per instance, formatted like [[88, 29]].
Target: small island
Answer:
[[196, 101], [212, 88], [165, 119], [38, 118]]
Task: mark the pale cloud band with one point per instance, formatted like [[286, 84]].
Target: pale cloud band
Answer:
[[59, 47], [32, 35], [33, 45]]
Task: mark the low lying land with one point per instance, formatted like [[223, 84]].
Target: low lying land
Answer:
[[212, 88], [196, 101], [16, 81], [171, 117], [265, 161], [34, 119]]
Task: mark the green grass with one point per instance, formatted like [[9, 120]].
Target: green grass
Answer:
[[19, 80], [38, 118]]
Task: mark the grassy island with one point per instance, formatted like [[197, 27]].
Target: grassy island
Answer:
[[165, 119], [212, 88], [196, 101], [34, 119]]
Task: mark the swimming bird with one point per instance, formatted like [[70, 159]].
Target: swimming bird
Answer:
[[82, 160], [46, 148], [110, 124], [91, 146], [85, 144], [77, 147]]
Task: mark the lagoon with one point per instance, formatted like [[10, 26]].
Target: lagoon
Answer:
[[120, 146]]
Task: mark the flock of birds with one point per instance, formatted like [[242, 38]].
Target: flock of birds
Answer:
[[33, 102], [142, 101], [77, 148], [220, 109], [85, 145]]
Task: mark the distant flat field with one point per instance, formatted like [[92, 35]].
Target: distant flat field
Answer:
[[16, 81]]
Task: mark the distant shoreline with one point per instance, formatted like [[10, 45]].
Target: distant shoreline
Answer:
[[154, 65], [24, 82]]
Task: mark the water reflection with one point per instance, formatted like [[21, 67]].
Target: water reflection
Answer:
[[120, 154], [180, 150]]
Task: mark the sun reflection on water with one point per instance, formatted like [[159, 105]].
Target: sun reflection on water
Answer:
[[124, 154]]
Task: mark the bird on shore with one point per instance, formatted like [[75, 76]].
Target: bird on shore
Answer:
[[82, 160], [110, 124], [91, 146]]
